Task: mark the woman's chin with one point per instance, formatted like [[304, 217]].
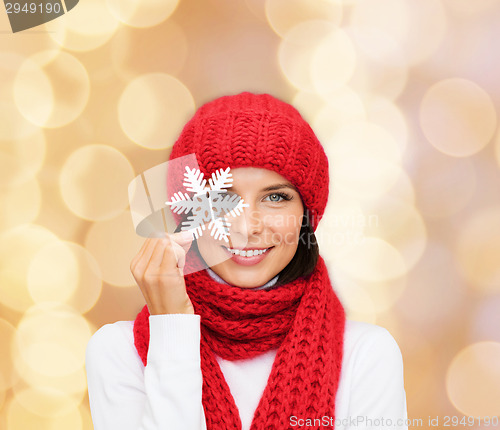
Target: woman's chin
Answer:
[[239, 276], [244, 283]]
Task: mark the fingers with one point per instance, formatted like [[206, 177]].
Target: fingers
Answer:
[[157, 269], [166, 254], [138, 263], [179, 254], [153, 252], [139, 254], [181, 242], [147, 253], [160, 254]]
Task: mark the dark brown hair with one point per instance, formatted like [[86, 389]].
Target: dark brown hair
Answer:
[[306, 257]]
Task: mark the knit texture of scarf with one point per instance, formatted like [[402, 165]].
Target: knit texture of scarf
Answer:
[[303, 319]]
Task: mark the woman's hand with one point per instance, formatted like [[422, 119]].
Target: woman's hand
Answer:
[[157, 269]]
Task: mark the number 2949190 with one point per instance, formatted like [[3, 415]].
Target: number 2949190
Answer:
[[35, 8]]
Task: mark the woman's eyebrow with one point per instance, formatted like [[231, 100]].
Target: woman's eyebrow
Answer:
[[272, 187]]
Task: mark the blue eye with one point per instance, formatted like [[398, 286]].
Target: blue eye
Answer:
[[283, 196]]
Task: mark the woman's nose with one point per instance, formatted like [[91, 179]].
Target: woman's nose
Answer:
[[247, 224]]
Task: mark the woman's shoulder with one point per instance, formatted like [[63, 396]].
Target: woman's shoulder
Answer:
[[372, 377], [370, 342], [115, 343], [356, 331], [113, 332], [112, 342]]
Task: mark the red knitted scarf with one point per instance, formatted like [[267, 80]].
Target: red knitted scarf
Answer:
[[303, 319]]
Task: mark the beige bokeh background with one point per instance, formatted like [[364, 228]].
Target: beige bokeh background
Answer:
[[404, 96]]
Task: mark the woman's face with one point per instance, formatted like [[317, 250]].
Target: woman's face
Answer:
[[271, 222]]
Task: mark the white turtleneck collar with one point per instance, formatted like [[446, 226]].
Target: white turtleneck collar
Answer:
[[217, 278]]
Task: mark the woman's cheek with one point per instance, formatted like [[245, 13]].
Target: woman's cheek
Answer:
[[283, 221], [285, 235], [291, 238]]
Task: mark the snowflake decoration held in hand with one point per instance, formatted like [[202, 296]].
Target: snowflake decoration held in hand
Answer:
[[208, 204]]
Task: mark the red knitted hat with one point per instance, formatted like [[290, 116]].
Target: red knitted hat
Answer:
[[258, 130]]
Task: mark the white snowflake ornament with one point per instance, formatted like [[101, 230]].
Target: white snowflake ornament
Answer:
[[209, 204]]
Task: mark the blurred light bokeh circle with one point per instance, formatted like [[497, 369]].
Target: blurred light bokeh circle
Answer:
[[342, 107], [21, 158], [458, 117], [356, 300], [51, 339], [73, 384], [65, 272], [17, 248], [283, 15], [21, 418], [33, 93], [372, 259], [384, 294], [46, 402], [435, 285], [403, 189], [385, 113], [497, 148], [470, 8], [377, 296], [486, 319], [51, 88], [13, 124], [90, 28], [8, 375], [473, 380], [20, 45], [436, 179], [53, 273], [380, 26], [153, 108], [478, 249], [142, 13], [391, 30], [94, 181], [365, 159], [365, 139], [20, 204], [400, 224], [131, 60], [376, 77], [345, 227], [333, 61], [317, 56], [114, 243], [309, 104]]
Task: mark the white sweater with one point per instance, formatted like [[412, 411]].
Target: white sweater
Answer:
[[166, 394]]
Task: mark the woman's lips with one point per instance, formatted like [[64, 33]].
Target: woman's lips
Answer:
[[247, 261]]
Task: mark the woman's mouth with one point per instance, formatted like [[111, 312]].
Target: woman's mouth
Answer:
[[247, 257]]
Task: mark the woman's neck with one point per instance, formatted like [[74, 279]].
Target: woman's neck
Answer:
[[268, 284]]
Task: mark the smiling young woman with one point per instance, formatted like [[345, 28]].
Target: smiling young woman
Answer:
[[265, 238], [258, 338]]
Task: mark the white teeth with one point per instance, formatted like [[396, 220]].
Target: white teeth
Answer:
[[250, 253]]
